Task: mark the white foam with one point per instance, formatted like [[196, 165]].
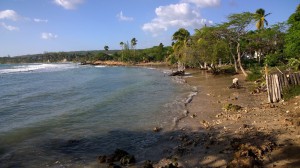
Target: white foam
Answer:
[[36, 67], [100, 66]]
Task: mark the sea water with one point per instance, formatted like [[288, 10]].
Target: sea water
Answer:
[[67, 114]]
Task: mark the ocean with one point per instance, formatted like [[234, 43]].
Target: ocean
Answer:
[[55, 115]]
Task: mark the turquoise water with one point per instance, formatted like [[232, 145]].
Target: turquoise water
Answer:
[[68, 114]]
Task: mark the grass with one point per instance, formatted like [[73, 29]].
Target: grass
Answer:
[[231, 107], [255, 74], [292, 92]]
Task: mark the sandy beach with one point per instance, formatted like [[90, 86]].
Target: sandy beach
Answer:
[[259, 134], [224, 127]]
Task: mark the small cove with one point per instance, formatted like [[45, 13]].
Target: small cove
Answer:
[[69, 114]]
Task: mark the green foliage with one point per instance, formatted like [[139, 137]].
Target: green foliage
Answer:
[[103, 57], [292, 38], [172, 59], [294, 64], [292, 92], [229, 69], [273, 59], [255, 73]]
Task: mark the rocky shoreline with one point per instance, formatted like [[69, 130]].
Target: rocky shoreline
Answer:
[[213, 132]]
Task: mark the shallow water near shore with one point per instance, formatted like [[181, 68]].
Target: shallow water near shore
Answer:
[[66, 114]]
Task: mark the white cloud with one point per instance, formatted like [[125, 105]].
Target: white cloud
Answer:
[[203, 3], [47, 36], [9, 14], [175, 16], [8, 27], [68, 4], [40, 20], [123, 18]]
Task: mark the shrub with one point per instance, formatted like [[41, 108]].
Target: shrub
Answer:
[[255, 74], [292, 92], [273, 59], [294, 64]]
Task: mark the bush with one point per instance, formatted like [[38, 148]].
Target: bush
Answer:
[[292, 92], [273, 59], [228, 70], [294, 64], [255, 74]]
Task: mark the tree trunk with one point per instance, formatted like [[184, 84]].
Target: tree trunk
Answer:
[[234, 61], [239, 59]]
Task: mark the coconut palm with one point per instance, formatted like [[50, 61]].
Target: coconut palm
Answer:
[[122, 46], [260, 18], [133, 42], [181, 38], [106, 48]]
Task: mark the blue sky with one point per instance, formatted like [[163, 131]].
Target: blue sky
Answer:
[[37, 26]]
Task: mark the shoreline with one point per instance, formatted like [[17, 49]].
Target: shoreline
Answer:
[[209, 136], [259, 134]]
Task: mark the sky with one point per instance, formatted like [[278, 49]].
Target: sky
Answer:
[[38, 26]]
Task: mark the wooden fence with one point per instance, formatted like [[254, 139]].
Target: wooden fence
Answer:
[[276, 83]]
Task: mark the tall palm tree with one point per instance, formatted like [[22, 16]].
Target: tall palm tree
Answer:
[[122, 46], [260, 18], [133, 44], [181, 38], [106, 48]]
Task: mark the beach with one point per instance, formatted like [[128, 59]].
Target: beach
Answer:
[[257, 134]]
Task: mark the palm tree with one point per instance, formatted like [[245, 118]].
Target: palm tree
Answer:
[[260, 18], [133, 44], [122, 46], [106, 48], [181, 38]]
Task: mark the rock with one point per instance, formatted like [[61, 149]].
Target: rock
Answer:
[[148, 164], [171, 165], [177, 73], [185, 112], [112, 165], [118, 154], [156, 129], [102, 159], [128, 159], [193, 115]]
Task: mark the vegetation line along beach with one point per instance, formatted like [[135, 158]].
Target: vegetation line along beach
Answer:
[[100, 108]]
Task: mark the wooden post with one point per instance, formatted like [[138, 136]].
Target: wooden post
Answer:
[[277, 88], [268, 88]]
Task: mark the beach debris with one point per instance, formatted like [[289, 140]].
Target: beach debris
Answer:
[[148, 164], [235, 84], [112, 165], [177, 73], [127, 160], [118, 156], [231, 107], [205, 123], [193, 116], [157, 129], [185, 113], [190, 97]]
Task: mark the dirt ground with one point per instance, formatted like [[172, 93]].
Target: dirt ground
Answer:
[[256, 134], [224, 127]]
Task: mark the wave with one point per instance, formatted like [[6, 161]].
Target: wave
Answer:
[[100, 66], [36, 68]]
